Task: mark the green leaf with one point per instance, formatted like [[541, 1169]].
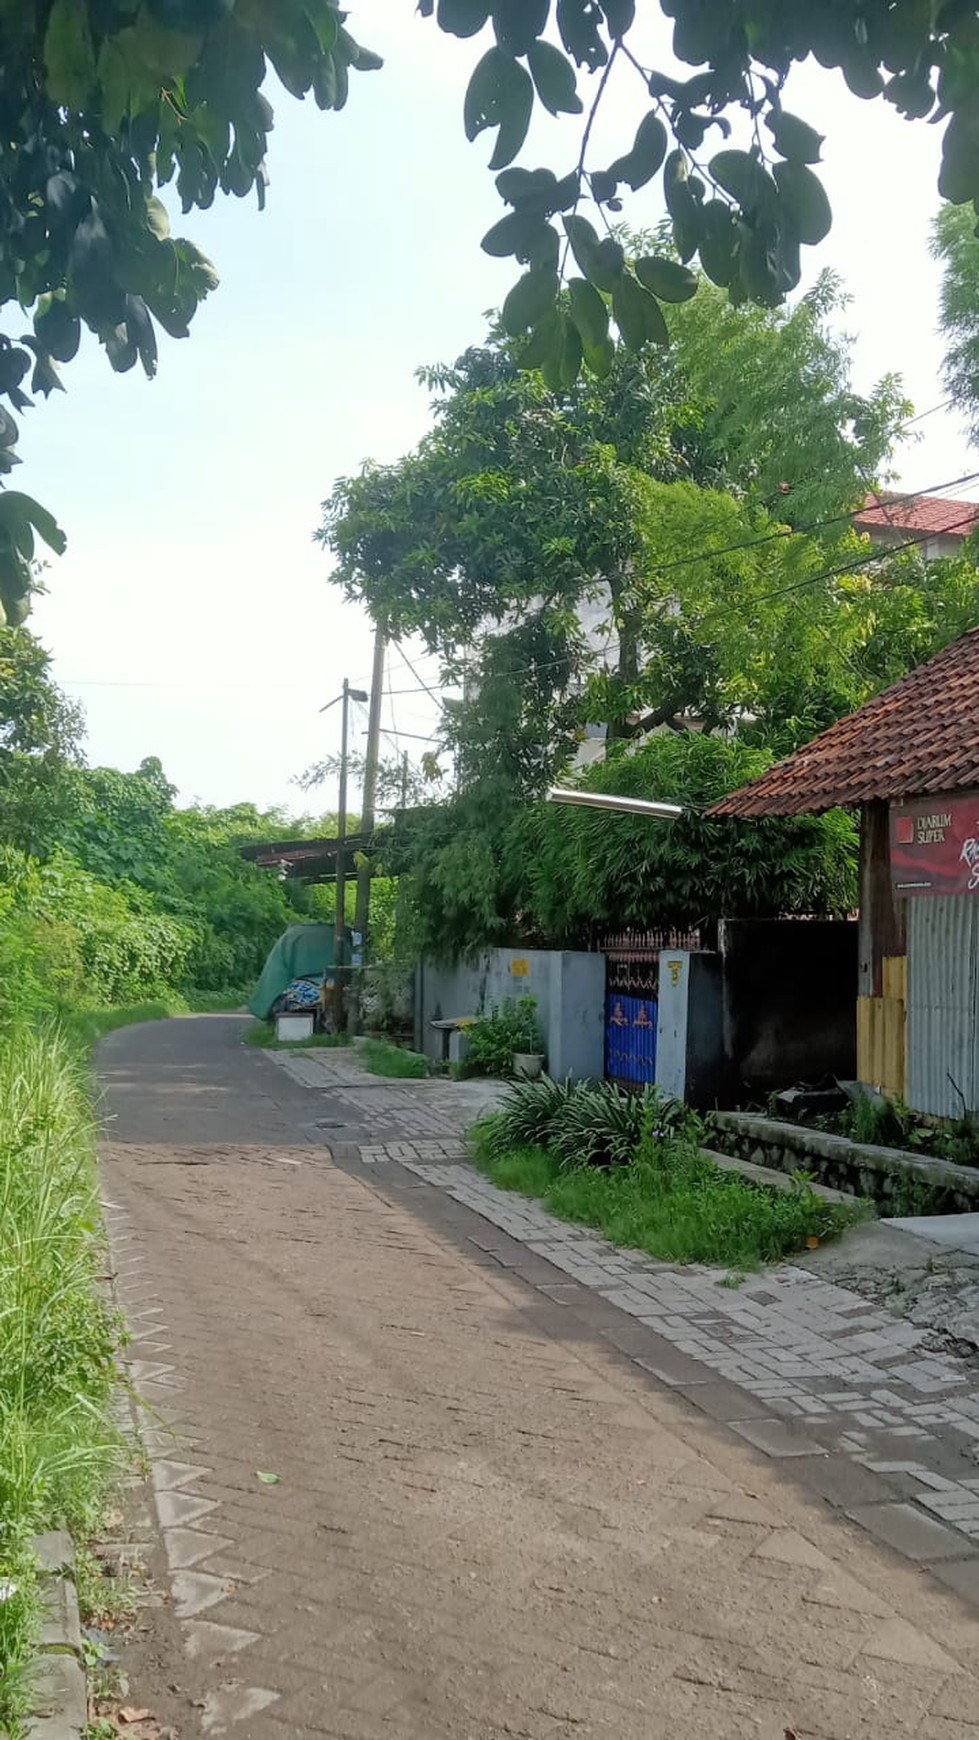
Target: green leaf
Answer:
[[562, 366], [684, 195], [527, 187], [667, 280], [554, 77], [578, 23], [600, 261], [599, 358], [513, 234], [157, 218], [959, 177], [795, 139], [267, 1479], [546, 340], [638, 314], [69, 54], [325, 19], [743, 177], [529, 300], [57, 329], [16, 508], [589, 313], [718, 242], [500, 94], [648, 152], [619, 16], [805, 197], [462, 17]]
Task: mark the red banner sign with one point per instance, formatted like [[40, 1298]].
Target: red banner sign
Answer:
[[935, 845]]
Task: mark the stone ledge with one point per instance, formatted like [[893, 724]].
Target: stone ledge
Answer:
[[774, 1179], [875, 1171], [60, 1692]]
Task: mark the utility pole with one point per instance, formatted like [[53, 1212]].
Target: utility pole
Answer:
[[339, 924], [369, 804], [404, 780]]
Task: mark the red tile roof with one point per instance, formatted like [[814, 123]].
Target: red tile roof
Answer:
[[920, 735], [929, 515]]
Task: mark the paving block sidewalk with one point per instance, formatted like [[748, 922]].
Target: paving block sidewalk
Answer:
[[884, 1421]]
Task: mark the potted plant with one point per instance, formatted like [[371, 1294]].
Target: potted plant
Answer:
[[528, 1050]]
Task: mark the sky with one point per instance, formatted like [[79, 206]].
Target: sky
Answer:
[[192, 615]]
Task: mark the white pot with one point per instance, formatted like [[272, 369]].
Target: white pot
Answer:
[[528, 1064]]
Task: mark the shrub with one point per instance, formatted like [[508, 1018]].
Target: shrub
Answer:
[[496, 1038], [585, 1123]]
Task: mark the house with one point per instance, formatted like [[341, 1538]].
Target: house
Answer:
[[909, 759], [938, 525]]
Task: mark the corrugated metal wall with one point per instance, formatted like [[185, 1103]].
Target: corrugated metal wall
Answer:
[[943, 1003]]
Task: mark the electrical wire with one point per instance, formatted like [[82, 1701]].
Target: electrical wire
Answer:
[[894, 501]]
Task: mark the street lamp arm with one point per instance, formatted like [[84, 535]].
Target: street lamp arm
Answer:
[[599, 800]]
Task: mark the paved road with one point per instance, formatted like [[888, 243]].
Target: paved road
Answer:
[[480, 1527]]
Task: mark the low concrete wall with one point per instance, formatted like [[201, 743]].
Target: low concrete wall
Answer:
[[569, 988], [897, 1181]]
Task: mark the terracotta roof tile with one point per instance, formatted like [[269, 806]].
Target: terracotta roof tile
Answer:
[[921, 735], [928, 514]]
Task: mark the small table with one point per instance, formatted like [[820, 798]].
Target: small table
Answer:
[[446, 1029]]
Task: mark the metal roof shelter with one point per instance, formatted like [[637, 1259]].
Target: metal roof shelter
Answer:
[[308, 860], [910, 759]]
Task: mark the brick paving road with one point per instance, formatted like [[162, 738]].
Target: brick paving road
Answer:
[[488, 1519]]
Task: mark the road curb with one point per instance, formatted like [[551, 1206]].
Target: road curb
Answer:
[[60, 1688]]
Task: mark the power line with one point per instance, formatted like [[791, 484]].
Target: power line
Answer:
[[895, 500], [428, 690], [875, 555]]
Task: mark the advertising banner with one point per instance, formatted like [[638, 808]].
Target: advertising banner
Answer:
[[935, 845]]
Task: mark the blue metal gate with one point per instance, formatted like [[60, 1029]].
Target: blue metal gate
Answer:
[[632, 1002]]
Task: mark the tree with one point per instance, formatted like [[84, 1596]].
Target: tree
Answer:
[[105, 101], [532, 875], [40, 734], [640, 504], [956, 244]]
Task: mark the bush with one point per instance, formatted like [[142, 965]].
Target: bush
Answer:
[[585, 1123], [496, 1038]]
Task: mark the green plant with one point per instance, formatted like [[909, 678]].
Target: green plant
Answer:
[[57, 1335], [583, 1123], [382, 1058], [496, 1038], [669, 1201]]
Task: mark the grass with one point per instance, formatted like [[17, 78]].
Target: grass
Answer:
[[670, 1202], [58, 1338], [380, 1057], [262, 1034]]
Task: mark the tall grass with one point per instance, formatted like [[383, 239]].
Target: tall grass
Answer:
[[380, 1057], [57, 1335]]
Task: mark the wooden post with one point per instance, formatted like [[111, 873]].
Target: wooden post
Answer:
[[882, 978], [882, 917]]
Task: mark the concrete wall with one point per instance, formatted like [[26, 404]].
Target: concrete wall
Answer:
[[569, 988], [690, 1061]]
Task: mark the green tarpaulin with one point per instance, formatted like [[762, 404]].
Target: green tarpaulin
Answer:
[[304, 951]]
